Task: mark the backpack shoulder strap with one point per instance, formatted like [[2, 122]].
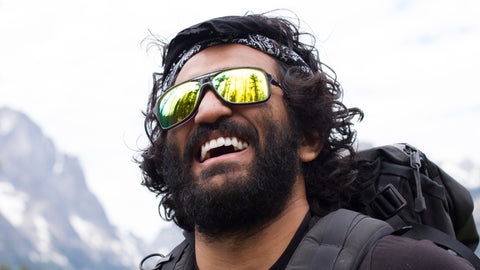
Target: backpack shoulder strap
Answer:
[[339, 240]]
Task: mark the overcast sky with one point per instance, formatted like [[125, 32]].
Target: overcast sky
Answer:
[[79, 69]]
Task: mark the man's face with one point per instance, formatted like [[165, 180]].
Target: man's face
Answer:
[[211, 109], [223, 189]]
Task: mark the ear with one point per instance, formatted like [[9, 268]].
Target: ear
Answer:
[[310, 147]]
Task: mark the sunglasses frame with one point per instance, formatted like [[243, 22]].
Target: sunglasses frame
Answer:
[[205, 81]]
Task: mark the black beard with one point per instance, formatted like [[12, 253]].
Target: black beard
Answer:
[[241, 204]]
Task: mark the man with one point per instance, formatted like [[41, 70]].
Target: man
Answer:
[[249, 141]]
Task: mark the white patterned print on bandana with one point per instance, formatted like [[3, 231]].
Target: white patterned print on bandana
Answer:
[[258, 42]]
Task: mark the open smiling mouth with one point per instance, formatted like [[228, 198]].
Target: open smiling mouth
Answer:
[[221, 146]]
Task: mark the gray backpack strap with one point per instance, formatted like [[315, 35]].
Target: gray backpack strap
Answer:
[[338, 241]]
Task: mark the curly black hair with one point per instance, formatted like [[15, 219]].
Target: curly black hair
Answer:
[[314, 102]]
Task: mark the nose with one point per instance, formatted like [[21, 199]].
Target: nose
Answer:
[[211, 108]]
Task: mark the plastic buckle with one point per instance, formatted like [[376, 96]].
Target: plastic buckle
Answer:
[[388, 202]]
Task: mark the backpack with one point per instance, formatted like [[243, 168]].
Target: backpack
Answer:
[[404, 193], [417, 198]]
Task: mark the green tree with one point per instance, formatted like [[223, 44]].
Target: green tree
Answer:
[[185, 105], [217, 83], [226, 89], [254, 89]]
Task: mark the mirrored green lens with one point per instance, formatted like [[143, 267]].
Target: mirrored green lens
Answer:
[[178, 104], [245, 85]]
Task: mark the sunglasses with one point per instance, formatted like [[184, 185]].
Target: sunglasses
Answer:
[[237, 86]]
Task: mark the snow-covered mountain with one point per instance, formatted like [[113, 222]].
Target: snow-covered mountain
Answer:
[[48, 216]]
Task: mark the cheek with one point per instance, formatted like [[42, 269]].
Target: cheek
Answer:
[[178, 138], [277, 112], [267, 117]]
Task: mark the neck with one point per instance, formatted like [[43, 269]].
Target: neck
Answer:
[[259, 250]]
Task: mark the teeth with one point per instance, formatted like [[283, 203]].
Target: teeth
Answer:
[[220, 141], [234, 142], [215, 143]]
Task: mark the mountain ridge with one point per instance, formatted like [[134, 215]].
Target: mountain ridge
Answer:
[[48, 216]]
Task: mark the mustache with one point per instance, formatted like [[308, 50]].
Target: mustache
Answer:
[[226, 127]]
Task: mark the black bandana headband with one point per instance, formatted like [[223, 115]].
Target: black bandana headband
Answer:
[[258, 42]]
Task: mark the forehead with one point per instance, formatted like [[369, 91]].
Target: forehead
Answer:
[[225, 56]]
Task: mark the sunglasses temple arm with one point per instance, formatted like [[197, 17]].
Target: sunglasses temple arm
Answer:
[[274, 82]]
